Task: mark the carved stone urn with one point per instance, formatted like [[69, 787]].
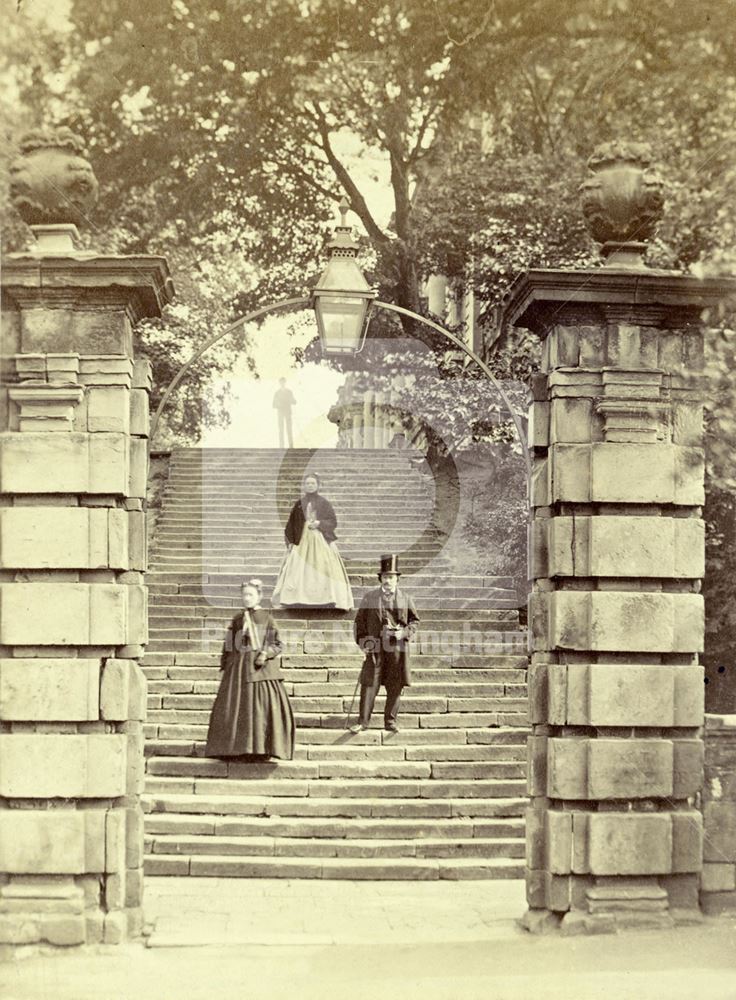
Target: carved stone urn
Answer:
[[622, 201], [53, 186]]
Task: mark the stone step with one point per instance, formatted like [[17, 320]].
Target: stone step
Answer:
[[368, 806], [182, 616], [345, 661], [436, 704], [374, 736], [377, 786], [373, 869], [313, 619], [281, 847], [307, 689], [341, 751], [183, 767], [428, 638], [200, 680], [501, 716], [333, 661], [319, 828]]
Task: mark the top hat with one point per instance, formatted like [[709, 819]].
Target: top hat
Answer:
[[389, 564]]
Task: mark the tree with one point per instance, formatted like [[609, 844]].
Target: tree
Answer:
[[235, 126]]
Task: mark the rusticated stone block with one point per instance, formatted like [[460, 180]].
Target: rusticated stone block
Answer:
[[572, 421], [626, 694], [108, 408], [630, 843], [142, 374], [538, 684], [558, 843], [720, 831], [538, 431], [539, 629], [105, 369], [615, 621], [536, 892], [538, 540], [539, 485], [536, 747], [558, 693], [613, 472], [137, 556], [123, 691], [73, 614], [52, 842], [567, 768], [134, 838], [36, 765], [658, 547], [115, 689], [687, 768], [687, 841], [534, 827], [718, 877], [102, 333], [137, 694], [682, 890], [49, 690], [63, 538], [137, 623], [629, 769], [45, 330], [139, 416], [115, 840], [64, 463], [133, 889], [138, 480]]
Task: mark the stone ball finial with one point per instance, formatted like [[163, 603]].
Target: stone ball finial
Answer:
[[623, 200], [52, 182]]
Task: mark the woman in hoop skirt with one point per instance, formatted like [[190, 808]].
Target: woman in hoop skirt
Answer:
[[252, 714], [312, 573]]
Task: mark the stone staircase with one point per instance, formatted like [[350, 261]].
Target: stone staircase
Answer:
[[443, 798]]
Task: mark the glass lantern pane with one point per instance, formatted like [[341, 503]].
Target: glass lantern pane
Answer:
[[341, 323]]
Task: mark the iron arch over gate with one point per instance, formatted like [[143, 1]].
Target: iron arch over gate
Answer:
[[301, 303]]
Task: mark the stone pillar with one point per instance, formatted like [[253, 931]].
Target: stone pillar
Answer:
[[73, 472], [614, 836]]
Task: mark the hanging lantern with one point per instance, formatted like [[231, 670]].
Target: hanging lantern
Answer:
[[342, 297]]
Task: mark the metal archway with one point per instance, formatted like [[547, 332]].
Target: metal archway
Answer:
[[300, 303]]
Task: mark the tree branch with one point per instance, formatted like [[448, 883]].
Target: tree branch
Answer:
[[357, 201]]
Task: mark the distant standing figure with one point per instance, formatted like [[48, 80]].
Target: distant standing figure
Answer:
[[312, 573], [384, 625], [252, 714], [283, 400]]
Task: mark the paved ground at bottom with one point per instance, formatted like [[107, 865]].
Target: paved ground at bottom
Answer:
[[436, 941]]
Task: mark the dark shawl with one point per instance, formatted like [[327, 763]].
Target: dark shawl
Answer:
[[323, 511]]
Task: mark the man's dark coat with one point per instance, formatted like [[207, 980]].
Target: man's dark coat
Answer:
[[368, 629]]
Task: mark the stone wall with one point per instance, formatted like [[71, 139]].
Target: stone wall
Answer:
[[614, 835], [73, 469], [718, 883]]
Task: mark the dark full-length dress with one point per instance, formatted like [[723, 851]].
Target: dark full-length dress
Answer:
[[312, 573], [252, 713]]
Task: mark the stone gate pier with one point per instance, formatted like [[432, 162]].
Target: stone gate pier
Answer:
[[614, 832], [73, 469]]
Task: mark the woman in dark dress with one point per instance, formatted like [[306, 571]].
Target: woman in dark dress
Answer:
[[252, 714], [312, 573]]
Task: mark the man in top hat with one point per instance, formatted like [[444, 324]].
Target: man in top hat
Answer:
[[384, 625]]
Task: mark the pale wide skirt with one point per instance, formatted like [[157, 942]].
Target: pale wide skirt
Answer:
[[313, 575]]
